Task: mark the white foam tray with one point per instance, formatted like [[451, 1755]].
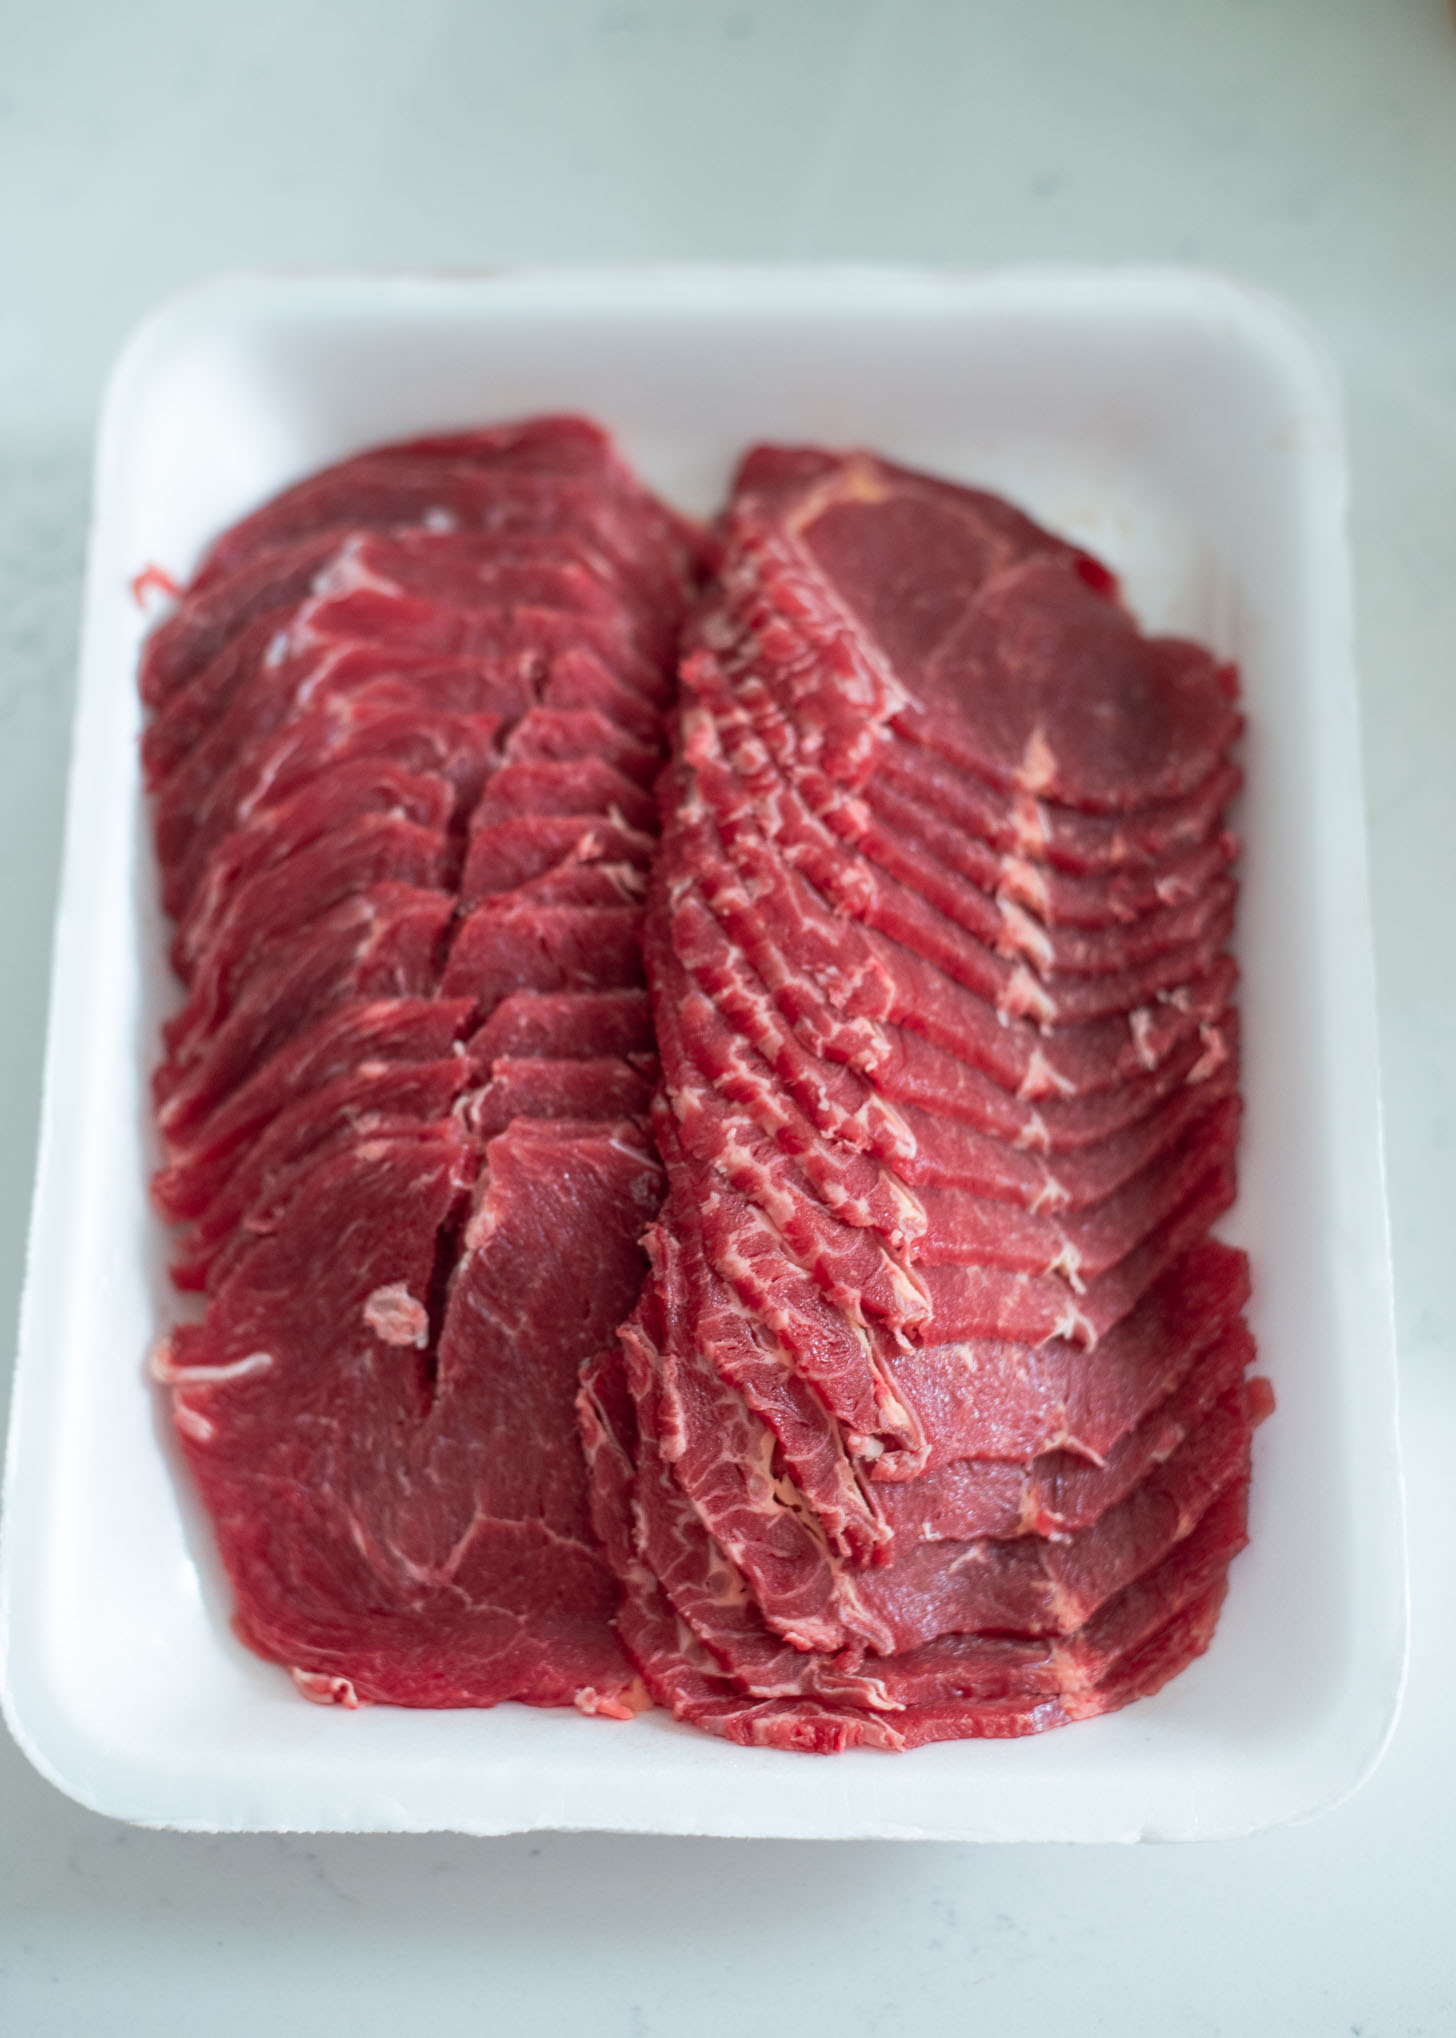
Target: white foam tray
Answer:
[[1174, 422]]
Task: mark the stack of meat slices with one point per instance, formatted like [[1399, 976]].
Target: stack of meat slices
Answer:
[[405, 724], [933, 1418]]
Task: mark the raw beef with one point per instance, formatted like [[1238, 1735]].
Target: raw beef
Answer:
[[400, 1502], [556, 478], [406, 724], [223, 783], [989, 644], [365, 1034], [543, 471], [530, 849], [370, 1101], [707, 1205], [932, 1419], [567, 1025]]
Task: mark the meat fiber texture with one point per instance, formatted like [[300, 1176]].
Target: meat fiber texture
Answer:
[[933, 1419], [404, 728]]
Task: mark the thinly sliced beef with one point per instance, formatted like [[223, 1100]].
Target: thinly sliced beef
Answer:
[[413, 623], [1005, 650], [722, 1460], [686, 1678], [1061, 1491], [948, 1155], [950, 1689], [566, 1024], [408, 717], [713, 1075], [366, 1035], [547, 571], [900, 1394], [287, 651], [382, 718], [1080, 1245], [840, 1360], [706, 1336], [691, 1314], [328, 809], [374, 1100], [277, 905], [204, 749], [913, 1076], [1029, 1585], [566, 473], [979, 1398], [1036, 1586], [1043, 687], [553, 571], [404, 1542], [859, 1270], [505, 855], [881, 876], [932, 1419], [1070, 1075], [380, 943], [1169, 1592], [567, 786], [971, 1301], [807, 1186], [599, 1087], [424, 497], [704, 1585], [502, 947], [576, 881], [881, 1195], [967, 1400], [889, 820], [907, 958], [549, 735], [843, 1365], [1080, 845], [576, 680], [849, 731], [206, 621], [852, 998], [908, 893]]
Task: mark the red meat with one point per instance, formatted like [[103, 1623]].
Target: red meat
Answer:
[[997, 1399], [596, 1087], [933, 1418], [400, 1504], [503, 947], [326, 809], [950, 1689], [558, 470], [904, 888], [374, 1100], [508, 854], [379, 943], [279, 904], [367, 1034], [560, 1024], [448, 654]]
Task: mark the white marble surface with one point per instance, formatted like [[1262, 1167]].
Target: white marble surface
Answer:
[[1310, 144]]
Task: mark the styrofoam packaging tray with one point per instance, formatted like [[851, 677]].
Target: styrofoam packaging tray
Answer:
[[1181, 427]]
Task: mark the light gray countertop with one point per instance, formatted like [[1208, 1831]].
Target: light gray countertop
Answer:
[[1307, 144]]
